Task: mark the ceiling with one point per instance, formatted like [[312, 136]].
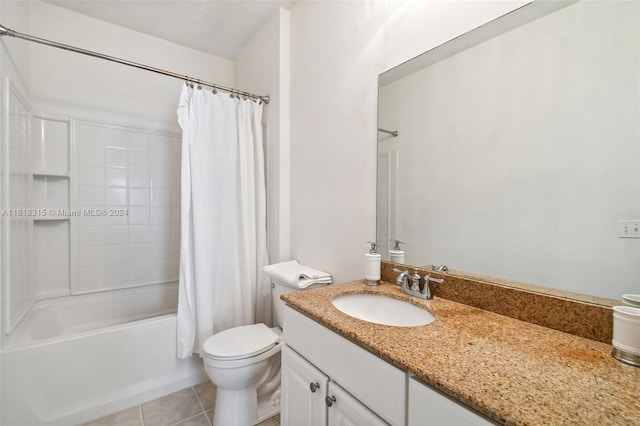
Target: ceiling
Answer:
[[220, 27]]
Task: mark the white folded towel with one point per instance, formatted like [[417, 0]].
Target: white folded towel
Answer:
[[295, 275]]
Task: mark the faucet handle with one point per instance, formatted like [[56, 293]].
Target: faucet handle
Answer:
[[435, 280], [426, 290], [428, 278]]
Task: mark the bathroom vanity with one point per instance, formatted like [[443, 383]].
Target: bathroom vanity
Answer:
[[318, 366], [469, 366]]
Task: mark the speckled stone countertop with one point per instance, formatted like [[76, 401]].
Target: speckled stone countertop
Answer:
[[512, 371]]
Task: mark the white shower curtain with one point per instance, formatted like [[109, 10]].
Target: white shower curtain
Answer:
[[223, 218]]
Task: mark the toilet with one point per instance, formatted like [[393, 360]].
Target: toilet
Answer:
[[244, 364]]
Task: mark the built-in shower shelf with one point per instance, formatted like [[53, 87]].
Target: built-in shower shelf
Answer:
[[51, 173], [51, 218]]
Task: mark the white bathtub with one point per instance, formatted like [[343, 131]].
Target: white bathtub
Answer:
[[77, 358]]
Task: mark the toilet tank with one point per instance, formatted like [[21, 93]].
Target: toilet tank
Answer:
[[278, 288]]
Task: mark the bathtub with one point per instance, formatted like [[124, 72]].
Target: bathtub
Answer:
[[77, 358]]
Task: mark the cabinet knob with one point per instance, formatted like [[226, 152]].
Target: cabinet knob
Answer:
[[314, 386], [329, 400]]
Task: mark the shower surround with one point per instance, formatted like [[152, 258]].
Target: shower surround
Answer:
[[103, 211], [93, 222]]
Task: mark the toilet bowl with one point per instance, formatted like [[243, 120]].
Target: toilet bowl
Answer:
[[244, 364]]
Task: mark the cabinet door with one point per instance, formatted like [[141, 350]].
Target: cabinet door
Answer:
[[427, 406], [303, 391], [345, 410]]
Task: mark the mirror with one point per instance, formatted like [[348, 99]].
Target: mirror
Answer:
[[518, 151]]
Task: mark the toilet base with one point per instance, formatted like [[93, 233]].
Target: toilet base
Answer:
[[231, 407], [235, 407]]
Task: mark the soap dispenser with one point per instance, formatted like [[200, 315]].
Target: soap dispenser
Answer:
[[372, 265], [396, 254]]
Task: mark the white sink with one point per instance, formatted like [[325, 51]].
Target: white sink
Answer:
[[383, 310]]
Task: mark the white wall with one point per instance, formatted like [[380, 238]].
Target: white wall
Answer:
[[337, 51], [15, 15], [262, 67], [74, 84]]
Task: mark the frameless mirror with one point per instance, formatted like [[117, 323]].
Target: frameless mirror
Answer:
[[518, 151]]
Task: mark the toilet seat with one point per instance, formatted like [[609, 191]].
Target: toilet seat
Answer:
[[240, 342]]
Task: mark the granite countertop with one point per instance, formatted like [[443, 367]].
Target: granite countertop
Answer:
[[512, 371]]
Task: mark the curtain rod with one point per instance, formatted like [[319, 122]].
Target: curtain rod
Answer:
[[393, 133], [4, 31]]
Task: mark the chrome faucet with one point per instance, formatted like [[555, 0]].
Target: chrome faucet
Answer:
[[403, 281], [441, 268]]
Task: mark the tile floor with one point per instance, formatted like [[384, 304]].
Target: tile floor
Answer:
[[189, 407]]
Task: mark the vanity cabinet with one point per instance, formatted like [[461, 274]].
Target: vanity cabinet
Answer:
[[427, 406], [366, 389], [328, 380], [310, 398]]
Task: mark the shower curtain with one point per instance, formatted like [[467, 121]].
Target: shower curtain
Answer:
[[223, 218]]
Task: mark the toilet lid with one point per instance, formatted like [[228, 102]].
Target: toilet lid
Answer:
[[241, 342]]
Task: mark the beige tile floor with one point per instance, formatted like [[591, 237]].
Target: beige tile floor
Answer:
[[189, 407]]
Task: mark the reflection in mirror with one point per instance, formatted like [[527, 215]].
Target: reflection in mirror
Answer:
[[518, 150]]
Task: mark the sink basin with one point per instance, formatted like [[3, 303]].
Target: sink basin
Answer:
[[383, 310]]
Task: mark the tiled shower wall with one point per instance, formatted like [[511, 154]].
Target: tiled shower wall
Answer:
[[133, 178], [111, 197]]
